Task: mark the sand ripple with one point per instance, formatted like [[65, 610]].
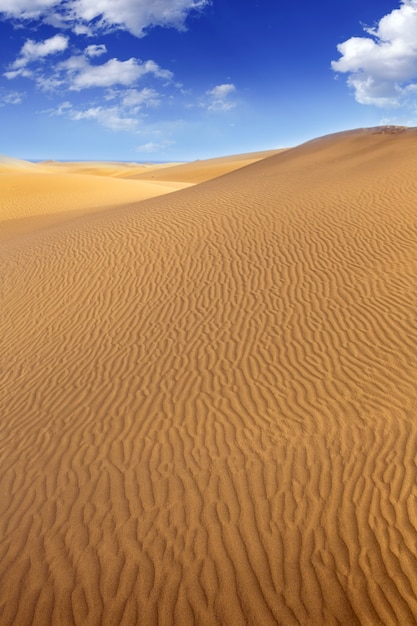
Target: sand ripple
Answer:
[[209, 405]]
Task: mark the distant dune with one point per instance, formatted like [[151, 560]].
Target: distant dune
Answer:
[[209, 398], [201, 171], [36, 195]]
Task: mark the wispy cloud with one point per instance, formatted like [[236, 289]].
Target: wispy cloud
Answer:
[[124, 114], [154, 146], [382, 66], [137, 99], [90, 16], [114, 118], [220, 97], [11, 97], [111, 118]]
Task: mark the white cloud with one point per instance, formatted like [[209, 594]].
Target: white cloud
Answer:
[[82, 29], [95, 50], [50, 83], [152, 146], [136, 15], [222, 91], [124, 114], [11, 97], [132, 15], [219, 97], [133, 98], [81, 71], [33, 51], [82, 75], [25, 9], [109, 117], [15, 73], [382, 67], [63, 108]]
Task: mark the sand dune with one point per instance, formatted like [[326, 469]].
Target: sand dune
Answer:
[[31, 200], [36, 195], [202, 170], [209, 404], [8, 164], [103, 168], [23, 195]]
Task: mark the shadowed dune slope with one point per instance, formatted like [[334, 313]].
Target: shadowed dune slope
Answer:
[[208, 401]]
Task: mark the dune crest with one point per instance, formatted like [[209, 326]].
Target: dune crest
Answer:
[[208, 400]]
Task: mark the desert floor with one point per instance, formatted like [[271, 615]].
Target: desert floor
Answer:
[[208, 397]]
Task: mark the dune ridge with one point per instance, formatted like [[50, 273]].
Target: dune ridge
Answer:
[[208, 400]]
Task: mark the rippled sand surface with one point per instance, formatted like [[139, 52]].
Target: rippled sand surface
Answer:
[[208, 400]]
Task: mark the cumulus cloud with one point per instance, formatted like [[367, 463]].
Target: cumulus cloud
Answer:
[[136, 15], [382, 66], [82, 75], [222, 91], [219, 97], [127, 86], [34, 51], [78, 72], [25, 9], [131, 15], [95, 50]]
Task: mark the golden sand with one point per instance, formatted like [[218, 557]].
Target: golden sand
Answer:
[[34, 196], [208, 400], [201, 171]]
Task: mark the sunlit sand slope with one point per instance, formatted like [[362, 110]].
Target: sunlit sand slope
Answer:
[[30, 202], [208, 401], [33, 199], [201, 171], [103, 168]]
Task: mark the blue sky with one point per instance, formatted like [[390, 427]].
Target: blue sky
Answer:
[[160, 80]]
